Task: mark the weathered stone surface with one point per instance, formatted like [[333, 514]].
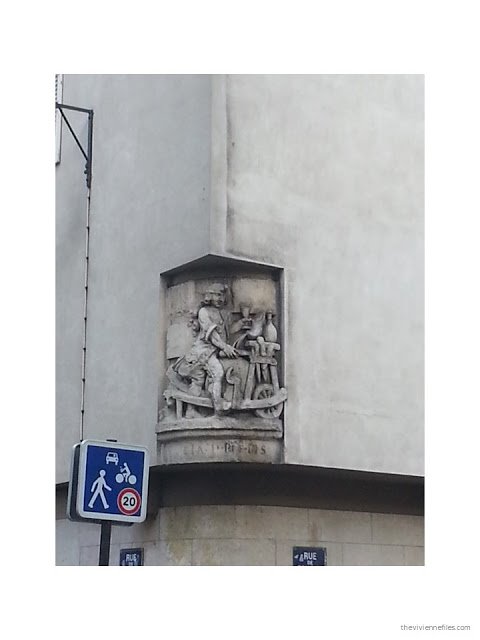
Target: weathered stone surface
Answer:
[[89, 556], [397, 529], [181, 299], [341, 526], [242, 535], [230, 424], [281, 523], [175, 553], [145, 531], [179, 339], [257, 293], [206, 521], [219, 449], [415, 556], [67, 547], [233, 553], [373, 555]]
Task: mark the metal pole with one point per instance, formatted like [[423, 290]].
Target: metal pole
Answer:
[[105, 535], [60, 105], [73, 134], [88, 168]]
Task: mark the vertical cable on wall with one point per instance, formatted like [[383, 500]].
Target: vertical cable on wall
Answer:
[[88, 173], [85, 314]]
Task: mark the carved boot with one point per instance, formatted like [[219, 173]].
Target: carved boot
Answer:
[[195, 389], [220, 404]]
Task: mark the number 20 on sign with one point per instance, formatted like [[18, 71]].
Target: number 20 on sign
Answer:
[[129, 501]]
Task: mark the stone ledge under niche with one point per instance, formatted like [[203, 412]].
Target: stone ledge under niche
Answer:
[[220, 440]]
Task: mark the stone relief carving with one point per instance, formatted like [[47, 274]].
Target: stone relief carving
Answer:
[[231, 365]]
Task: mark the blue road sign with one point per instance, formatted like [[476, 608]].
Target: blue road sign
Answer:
[[112, 481], [309, 556]]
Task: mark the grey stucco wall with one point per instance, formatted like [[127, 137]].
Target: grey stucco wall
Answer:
[[322, 175], [71, 206], [149, 210], [325, 177]]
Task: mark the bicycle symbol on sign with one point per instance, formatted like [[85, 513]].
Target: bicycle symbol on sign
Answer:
[[125, 475]]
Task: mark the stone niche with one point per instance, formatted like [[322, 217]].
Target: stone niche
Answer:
[[222, 396]]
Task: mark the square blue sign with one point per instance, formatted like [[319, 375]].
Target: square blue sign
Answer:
[[112, 481]]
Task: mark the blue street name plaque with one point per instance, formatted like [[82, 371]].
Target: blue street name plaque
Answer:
[[309, 556], [131, 557]]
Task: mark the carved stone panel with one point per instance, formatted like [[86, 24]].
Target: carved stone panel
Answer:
[[224, 369]]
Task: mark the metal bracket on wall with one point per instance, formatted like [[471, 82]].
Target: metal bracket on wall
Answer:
[[88, 154]]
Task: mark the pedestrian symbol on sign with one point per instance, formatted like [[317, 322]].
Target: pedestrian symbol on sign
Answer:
[[97, 489]]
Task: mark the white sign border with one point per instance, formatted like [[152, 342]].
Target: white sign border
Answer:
[[89, 515]]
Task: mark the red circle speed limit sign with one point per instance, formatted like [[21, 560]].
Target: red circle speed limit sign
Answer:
[[129, 501]]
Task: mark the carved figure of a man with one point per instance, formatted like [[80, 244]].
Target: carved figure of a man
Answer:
[[202, 359]]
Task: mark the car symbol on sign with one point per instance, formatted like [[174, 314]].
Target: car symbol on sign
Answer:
[[111, 456]]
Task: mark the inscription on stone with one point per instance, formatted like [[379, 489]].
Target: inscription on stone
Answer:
[[235, 447], [251, 448]]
